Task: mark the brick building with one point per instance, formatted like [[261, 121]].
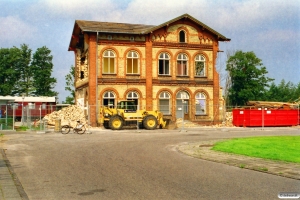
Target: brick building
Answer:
[[170, 67]]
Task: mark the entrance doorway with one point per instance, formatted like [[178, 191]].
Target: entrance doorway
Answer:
[[182, 105]]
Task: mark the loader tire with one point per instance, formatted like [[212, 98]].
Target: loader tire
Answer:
[[106, 124], [150, 122], [116, 122]]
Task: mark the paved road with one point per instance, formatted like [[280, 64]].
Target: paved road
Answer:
[[135, 165]]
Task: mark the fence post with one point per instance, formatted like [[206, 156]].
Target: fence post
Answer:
[[89, 119], [263, 117], [182, 107]]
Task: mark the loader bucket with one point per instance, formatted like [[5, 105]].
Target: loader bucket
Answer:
[[171, 125], [165, 123]]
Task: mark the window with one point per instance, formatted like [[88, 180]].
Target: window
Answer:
[[181, 36], [135, 98], [164, 64], [132, 63], [81, 74], [44, 106], [108, 62], [200, 65], [164, 103], [182, 65], [182, 95], [31, 105], [109, 99], [200, 104]]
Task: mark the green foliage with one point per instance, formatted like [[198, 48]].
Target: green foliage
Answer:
[[42, 67], [284, 148], [25, 83], [9, 76], [22, 73], [70, 85], [22, 128], [248, 78], [284, 92]]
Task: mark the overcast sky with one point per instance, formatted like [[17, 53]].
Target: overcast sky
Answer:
[[269, 28]]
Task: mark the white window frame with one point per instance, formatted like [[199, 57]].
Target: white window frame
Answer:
[[201, 103], [164, 96], [200, 59], [111, 54], [181, 58], [164, 57], [133, 55]]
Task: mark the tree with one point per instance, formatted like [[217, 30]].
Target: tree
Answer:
[[9, 73], [23, 65], [70, 85], [248, 78], [283, 92], [42, 70], [22, 73]]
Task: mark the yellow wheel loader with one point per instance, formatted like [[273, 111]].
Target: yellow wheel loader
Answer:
[[126, 114]]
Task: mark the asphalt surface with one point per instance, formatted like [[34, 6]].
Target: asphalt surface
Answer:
[[130, 164]]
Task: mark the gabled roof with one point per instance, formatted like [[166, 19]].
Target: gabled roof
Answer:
[[125, 28], [220, 36], [109, 27]]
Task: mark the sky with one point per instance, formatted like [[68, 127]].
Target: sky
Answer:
[[269, 28]]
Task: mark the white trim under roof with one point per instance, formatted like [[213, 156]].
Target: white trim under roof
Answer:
[[27, 99]]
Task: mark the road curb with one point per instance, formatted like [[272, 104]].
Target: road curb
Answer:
[[202, 150], [11, 187]]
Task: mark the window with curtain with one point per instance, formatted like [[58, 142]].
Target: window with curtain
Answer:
[[182, 65], [132, 63], [108, 62]]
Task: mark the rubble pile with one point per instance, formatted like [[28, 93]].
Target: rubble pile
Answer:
[[68, 116], [188, 124], [228, 120]]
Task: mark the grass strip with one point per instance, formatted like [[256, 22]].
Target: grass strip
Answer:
[[283, 148]]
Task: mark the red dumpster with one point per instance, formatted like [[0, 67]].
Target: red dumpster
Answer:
[[263, 117]]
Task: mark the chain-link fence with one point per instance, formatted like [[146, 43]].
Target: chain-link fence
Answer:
[[29, 117], [12, 117], [187, 115]]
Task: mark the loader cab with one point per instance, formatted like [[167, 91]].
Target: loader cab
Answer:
[[127, 106]]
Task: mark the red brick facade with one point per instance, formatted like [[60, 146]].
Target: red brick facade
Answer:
[[174, 68]]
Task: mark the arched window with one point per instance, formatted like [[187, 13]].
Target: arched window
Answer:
[[109, 99], [108, 62], [182, 36], [164, 103], [132, 63], [200, 65], [164, 64], [200, 103], [133, 96], [182, 65]]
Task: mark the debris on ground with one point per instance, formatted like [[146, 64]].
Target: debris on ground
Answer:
[[189, 124], [68, 116]]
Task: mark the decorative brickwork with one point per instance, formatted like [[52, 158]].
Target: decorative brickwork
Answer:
[[149, 76]]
